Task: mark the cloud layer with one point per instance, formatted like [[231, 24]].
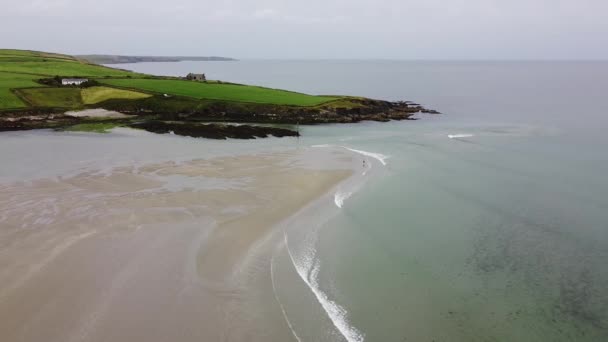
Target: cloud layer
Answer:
[[400, 29]]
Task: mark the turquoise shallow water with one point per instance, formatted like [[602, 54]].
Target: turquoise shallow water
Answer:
[[496, 237], [499, 236]]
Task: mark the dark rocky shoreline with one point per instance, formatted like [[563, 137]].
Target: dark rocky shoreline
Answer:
[[213, 130], [348, 111], [184, 116]]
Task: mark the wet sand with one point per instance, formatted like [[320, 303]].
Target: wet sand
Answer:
[[155, 252]]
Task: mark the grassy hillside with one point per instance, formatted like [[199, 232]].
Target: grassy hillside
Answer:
[[32, 96], [74, 97], [20, 70], [221, 91], [63, 68], [117, 59], [52, 97], [10, 81], [50, 64], [34, 54]]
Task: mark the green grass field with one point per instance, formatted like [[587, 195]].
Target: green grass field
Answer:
[[19, 71], [74, 97], [20, 59], [53, 97], [99, 94], [218, 91], [32, 56], [9, 81], [51, 64], [27, 53], [62, 68]]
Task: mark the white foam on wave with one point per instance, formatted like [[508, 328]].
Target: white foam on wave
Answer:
[[340, 197], [378, 156], [308, 268], [456, 136]]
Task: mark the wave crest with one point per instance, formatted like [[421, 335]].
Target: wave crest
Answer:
[[308, 268], [378, 156], [340, 197], [456, 136]]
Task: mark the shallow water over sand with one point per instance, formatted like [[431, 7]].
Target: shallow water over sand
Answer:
[[151, 250], [486, 223]]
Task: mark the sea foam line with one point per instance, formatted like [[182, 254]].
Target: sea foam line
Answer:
[[340, 197], [380, 157], [456, 136], [276, 296], [337, 314]]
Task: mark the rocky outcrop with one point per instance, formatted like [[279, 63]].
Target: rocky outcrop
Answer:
[[354, 110], [344, 110], [35, 121], [213, 131], [189, 113]]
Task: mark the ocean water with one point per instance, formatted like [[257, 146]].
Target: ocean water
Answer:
[[486, 223]]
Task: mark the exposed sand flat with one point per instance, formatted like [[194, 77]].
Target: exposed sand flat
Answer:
[[97, 113], [153, 252]]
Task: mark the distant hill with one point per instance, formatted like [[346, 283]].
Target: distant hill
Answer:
[[116, 59]]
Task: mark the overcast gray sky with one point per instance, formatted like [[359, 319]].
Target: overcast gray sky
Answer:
[[393, 29]]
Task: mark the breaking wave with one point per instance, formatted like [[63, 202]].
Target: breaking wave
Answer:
[[339, 198], [308, 268], [378, 156], [456, 136]]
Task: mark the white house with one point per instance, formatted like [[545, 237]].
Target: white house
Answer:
[[73, 81]]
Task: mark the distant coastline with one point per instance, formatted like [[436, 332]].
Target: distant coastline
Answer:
[[120, 59]]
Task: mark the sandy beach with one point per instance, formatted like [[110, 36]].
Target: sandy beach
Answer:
[[154, 252]]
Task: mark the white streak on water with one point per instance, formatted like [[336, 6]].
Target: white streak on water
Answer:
[[456, 136], [276, 296], [380, 157], [339, 198], [308, 269]]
